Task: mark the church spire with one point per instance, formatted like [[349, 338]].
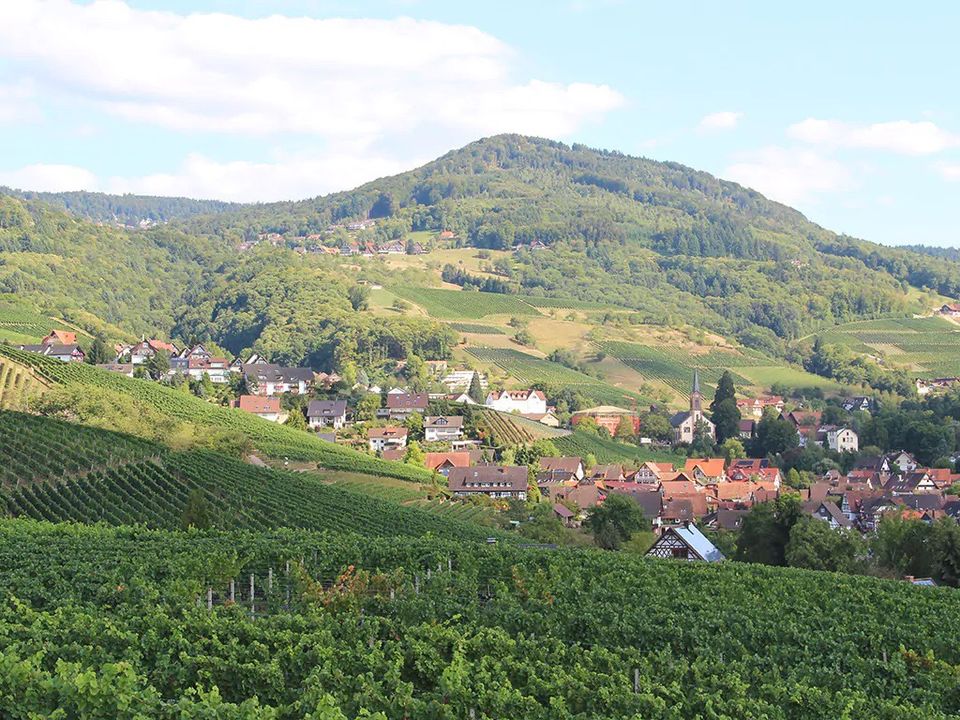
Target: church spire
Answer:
[[696, 397]]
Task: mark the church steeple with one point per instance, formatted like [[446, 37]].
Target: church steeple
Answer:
[[696, 397]]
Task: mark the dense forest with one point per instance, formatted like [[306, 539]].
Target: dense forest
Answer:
[[123, 209]]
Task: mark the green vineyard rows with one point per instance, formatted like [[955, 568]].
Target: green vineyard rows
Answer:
[[497, 632], [608, 450], [476, 328], [270, 438]]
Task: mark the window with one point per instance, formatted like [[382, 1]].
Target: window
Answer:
[[679, 553]]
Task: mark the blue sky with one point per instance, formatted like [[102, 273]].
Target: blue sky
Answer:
[[847, 111]]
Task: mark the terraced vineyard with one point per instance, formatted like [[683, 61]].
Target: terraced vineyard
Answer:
[[239, 496], [22, 322], [269, 438], [607, 450], [36, 450], [17, 383], [927, 347], [529, 369], [476, 328], [674, 366], [463, 305]]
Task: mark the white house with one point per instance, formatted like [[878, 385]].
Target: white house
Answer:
[[842, 439], [387, 438], [443, 428], [327, 413], [523, 402]]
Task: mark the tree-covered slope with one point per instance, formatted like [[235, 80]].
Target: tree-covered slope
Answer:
[[124, 209], [657, 237]]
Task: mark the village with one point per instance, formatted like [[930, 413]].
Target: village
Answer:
[[446, 433]]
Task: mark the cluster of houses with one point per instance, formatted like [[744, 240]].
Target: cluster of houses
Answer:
[[59, 344], [314, 242]]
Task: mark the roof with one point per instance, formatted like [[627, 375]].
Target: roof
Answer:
[[407, 401], [62, 337], [649, 500], [561, 464], [327, 408], [386, 433], [434, 460], [605, 410], [729, 519], [563, 511], [443, 421], [518, 394], [711, 467], [394, 454], [733, 490], [607, 472], [268, 372], [486, 478], [695, 540], [678, 419], [685, 507], [677, 487], [259, 405]]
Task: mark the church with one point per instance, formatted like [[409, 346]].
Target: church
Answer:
[[685, 423]]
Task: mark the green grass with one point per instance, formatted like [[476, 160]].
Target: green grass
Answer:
[[767, 376], [674, 366], [529, 369]]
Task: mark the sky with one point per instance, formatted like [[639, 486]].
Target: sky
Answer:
[[849, 112]]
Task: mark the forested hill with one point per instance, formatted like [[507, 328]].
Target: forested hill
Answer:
[[674, 245], [124, 209], [657, 237]]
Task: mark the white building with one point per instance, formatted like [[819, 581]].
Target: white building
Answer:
[[843, 439], [443, 428], [523, 402], [387, 438]]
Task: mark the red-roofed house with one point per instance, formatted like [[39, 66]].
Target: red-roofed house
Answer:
[[267, 408], [705, 470], [442, 462]]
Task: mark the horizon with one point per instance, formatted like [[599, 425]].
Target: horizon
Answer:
[[859, 139]]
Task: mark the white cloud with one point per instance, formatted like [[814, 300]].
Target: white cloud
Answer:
[[281, 179], [950, 172], [790, 175], [356, 79], [725, 120], [50, 177], [901, 136], [17, 103]]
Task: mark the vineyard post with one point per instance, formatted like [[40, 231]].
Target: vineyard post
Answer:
[[392, 595], [233, 595], [209, 598], [252, 598], [636, 680], [416, 584], [449, 565], [270, 579], [428, 573]]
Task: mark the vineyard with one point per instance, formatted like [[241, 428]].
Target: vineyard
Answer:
[[926, 347], [17, 383], [608, 450], [457, 304], [270, 438], [475, 328], [528, 370], [155, 493], [674, 366], [103, 622], [36, 450], [465, 304], [24, 323]]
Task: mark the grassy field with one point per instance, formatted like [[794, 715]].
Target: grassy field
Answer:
[[476, 328], [464, 305], [529, 369]]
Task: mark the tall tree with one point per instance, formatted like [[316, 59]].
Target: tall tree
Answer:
[[724, 411], [476, 389], [99, 352], [614, 522]]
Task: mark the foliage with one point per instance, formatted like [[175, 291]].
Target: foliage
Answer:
[[614, 522]]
